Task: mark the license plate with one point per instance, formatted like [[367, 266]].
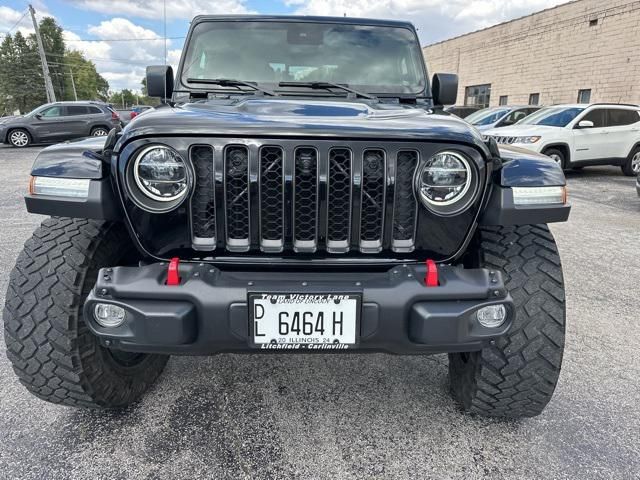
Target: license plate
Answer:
[[303, 321]]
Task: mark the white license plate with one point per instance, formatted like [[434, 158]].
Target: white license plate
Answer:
[[300, 320]]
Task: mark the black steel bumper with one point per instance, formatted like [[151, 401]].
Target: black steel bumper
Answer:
[[207, 313]]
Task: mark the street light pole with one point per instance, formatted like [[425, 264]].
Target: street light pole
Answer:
[[48, 85]]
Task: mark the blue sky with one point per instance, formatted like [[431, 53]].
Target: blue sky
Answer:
[[123, 62]]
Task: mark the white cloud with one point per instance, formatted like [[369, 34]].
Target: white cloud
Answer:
[[18, 21], [176, 9], [435, 19], [123, 63]]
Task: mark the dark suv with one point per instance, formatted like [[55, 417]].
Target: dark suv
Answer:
[[308, 195], [59, 121]]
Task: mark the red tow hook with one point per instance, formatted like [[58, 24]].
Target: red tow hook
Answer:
[[173, 278], [431, 277]]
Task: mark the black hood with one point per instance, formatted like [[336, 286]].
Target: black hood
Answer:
[[262, 117]]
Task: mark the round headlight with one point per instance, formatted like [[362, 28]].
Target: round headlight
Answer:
[[161, 174], [444, 183]]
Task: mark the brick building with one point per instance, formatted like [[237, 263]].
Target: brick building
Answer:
[[583, 51]]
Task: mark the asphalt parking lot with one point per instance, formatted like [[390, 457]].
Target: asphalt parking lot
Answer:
[[359, 416]]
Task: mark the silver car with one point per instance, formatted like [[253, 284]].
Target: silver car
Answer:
[[503, 116], [58, 121]]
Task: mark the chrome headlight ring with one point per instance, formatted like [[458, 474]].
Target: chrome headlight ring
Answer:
[[447, 183], [142, 190]]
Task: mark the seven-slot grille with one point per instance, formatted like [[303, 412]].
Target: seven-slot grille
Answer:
[[303, 198]]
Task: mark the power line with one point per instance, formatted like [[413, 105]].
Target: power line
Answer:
[[16, 24], [158, 39]]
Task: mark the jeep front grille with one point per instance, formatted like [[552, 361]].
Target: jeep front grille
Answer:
[[285, 196], [504, 140]]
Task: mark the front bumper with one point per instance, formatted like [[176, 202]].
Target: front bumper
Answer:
[[207, 313]]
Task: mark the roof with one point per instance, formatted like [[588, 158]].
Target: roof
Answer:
[[304, 18]]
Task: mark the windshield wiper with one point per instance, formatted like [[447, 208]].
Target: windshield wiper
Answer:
[[229, 82], [327, 86]]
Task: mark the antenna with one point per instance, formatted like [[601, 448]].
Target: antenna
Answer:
[[164, 15]]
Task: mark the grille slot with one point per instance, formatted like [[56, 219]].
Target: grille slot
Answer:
[[305, 208], [281, 196], [404, 205], [236, 168], [271, 199], [372, 205], [203, 218], [339, 200]]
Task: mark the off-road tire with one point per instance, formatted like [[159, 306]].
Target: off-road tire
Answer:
[[517, 376], [53, 352], [628, 166]]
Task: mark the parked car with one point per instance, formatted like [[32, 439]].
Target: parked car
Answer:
[[497, 117], [580, 135], [53, 122], [313, 214], [461, 111]]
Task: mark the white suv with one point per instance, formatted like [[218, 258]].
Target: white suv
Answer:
[[576, 136]]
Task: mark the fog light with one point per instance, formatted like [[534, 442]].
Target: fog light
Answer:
[[492, 316], [109, 315]]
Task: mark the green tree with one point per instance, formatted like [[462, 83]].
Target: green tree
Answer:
[[21, 81], [54, 47], [123, 99]]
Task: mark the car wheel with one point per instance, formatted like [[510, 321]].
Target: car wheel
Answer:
[[557, 156], [99, 132], [53, 352], [19, 138], [631, 167], [516, 376]]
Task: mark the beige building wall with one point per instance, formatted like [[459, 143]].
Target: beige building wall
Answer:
[[585, 44]]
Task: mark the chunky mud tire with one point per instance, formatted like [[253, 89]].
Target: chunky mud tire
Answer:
[[517, 376], [53, 352]]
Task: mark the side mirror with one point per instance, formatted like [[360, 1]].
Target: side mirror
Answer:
[[585, 124], [160, 81], [38, 116], [444, 88]]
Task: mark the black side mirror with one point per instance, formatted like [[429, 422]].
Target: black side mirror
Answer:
[[160, 81], [444, 88], [38, 116]]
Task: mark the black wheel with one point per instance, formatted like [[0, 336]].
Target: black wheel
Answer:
[[517, 376], [19, 138], [53, 352], [99, 132], [557, 156], [631, 167]]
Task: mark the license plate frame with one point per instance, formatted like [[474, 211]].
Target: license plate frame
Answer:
[[327, 346]]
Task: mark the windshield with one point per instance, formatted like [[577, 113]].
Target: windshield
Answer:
[[487, 116], [368, 58], [552, 116]]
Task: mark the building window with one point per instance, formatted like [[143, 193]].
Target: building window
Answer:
[[534, 99], [478, 95], [504, 99], [584, 96], [593, 22]]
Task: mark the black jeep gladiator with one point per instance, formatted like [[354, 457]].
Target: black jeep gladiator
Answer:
[[300, 190]]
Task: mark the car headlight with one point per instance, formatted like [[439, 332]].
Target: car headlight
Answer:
[[446, 183], [161, 174], [526, 140]]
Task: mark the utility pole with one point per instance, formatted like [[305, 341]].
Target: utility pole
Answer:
[[122, 97], [73, 84], [48, 85]]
